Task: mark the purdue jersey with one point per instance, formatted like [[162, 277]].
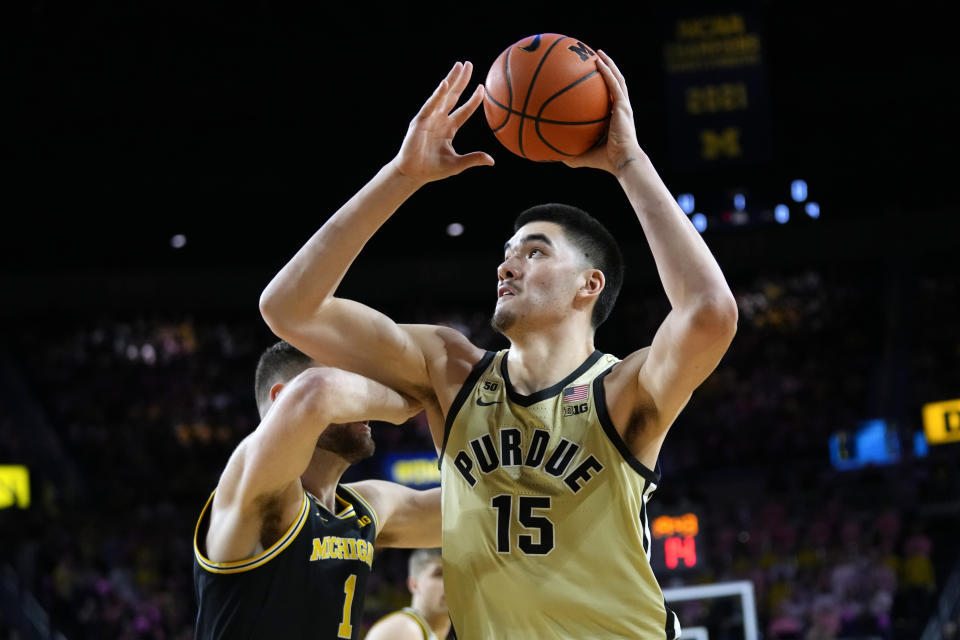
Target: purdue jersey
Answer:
[[308, 584], [545, 525]]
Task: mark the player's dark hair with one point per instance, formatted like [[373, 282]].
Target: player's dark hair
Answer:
[[420, 558], [280, 362], [594, 241]]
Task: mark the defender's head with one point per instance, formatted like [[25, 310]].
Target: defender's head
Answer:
[[279, 365]]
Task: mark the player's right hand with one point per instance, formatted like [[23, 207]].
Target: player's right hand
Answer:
[[427, 152]]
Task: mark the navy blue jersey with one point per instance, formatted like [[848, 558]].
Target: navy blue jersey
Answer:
[[308, 584]]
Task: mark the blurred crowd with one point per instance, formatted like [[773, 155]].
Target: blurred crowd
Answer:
[[146, 410]]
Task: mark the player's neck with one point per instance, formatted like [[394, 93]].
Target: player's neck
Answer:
[[322, 476], [439, 622], [540, 360]]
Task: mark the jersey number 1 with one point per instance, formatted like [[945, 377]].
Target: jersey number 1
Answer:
[[345, 630], [525, 506]]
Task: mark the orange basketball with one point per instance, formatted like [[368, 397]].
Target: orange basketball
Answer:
[[545, 100]]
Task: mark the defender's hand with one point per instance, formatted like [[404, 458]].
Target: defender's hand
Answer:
[[620, 146], [427, 152]]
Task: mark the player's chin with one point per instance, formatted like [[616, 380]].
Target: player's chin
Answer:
[[353, 441], [502, 319]]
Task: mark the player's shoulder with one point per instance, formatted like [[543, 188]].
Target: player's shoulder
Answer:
[[630, 365], [395, 625], [451, 339], [450, 354], [622, 386]]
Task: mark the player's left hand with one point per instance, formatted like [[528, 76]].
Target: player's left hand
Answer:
[[620, 146]]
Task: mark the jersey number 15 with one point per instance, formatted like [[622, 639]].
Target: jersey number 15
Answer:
[[528, 519]]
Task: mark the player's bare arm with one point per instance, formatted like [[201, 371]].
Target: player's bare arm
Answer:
[[649, 388], [299, 303], [409, 519], [259, 493]]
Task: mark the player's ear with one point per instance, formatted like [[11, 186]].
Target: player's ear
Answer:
[[275, 390], [593, 284], [412, 584]]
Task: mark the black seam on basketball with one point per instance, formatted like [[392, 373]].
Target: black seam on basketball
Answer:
[[543, 120], [506, 73], [530, 90], [537, 122]]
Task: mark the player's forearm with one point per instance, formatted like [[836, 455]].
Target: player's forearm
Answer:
[[691, 277], [349, 397], [311, 277]]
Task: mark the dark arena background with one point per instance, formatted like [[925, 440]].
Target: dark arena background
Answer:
[[165, 159]]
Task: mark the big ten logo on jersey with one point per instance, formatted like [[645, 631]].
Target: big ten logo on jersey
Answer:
[[363, 521], [575, 409]]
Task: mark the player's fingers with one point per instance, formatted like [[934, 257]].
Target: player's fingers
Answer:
[[475, 159], [439, 94], [617, 94], [458, 84], [463, 113], [607, 60]]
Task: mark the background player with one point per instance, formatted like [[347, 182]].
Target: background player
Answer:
[[282, 549], [552, 294], [427, 617]]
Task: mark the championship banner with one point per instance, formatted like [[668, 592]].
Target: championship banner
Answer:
[[716, 90]]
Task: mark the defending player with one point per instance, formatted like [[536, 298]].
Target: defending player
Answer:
[[282, 549], [427, 617], [548, 449]]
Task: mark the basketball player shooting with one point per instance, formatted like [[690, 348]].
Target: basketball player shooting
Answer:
[[282, 548], [549, 448]]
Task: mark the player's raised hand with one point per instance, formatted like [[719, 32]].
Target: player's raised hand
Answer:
[[620, 145], [427, 151]]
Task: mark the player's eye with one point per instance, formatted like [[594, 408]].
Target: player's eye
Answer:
[[533, 252]]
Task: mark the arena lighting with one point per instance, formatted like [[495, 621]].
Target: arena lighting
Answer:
[[782, 213], [813, 210], [454, 229], [14, 486], [739, 201], [798, 190], [699, 222], [686, 202], [178, 241]]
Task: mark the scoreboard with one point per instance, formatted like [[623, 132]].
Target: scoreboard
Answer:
[[677, 542]]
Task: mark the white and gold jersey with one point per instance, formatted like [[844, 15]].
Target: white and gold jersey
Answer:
[[545, 526]]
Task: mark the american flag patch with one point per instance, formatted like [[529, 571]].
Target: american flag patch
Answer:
[[576, 394]]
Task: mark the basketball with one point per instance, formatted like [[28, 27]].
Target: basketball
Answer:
[[545, 99]]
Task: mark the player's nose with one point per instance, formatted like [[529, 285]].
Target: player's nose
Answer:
[[507, 270]]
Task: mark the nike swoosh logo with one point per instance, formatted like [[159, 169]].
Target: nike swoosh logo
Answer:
[[481, 403], [533, 46]]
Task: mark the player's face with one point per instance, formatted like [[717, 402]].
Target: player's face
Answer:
[[429, 589], [538, 278], [352, 441]]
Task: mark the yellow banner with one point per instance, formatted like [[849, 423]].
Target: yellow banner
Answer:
[[14, 486], [941, 421]]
